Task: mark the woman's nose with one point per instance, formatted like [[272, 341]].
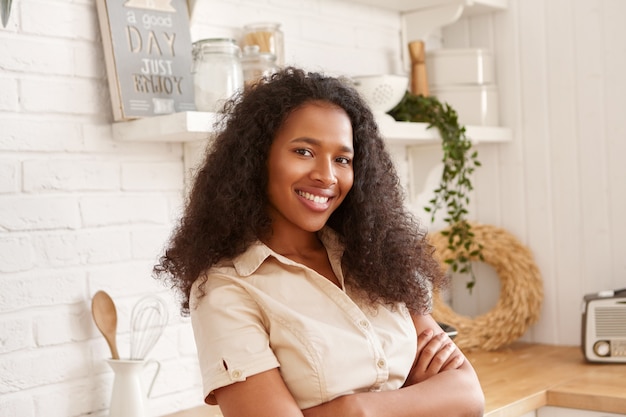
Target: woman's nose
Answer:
[[324, 172]]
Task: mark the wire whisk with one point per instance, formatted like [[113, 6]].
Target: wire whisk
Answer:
[[148, 320]]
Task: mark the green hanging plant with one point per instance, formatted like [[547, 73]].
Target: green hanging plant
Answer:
[[459, 162]]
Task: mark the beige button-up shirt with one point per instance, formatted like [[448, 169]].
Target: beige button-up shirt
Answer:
[[263, 311]]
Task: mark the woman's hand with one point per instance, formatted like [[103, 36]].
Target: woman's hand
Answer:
[[436, 353]]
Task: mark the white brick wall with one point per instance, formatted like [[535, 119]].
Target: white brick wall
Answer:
[[8, 98], [80, 212]]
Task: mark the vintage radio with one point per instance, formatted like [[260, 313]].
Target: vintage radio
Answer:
[[604, 326]]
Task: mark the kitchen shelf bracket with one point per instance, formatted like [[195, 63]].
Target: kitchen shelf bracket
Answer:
[[419, 24]]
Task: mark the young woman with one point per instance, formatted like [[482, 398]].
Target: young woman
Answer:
[[308, 283]]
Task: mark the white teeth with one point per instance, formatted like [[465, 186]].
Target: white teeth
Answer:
[[314, 198]]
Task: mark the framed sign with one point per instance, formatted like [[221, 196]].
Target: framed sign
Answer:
[[147, 49]]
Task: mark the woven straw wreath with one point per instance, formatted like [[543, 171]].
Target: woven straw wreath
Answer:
[[521, 291]]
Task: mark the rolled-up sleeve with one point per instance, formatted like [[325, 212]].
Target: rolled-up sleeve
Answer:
[[231, 335]]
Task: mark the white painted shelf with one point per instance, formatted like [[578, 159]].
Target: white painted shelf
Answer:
[[409, 134], [421, 17], [187, 126], [196, 126], [471, 7]]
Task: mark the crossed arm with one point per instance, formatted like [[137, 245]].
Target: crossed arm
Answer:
[[441, 383]]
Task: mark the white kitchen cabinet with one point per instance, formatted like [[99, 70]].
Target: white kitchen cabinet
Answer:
[[550, 411]]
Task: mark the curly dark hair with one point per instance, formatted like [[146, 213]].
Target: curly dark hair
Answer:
[[386, 254]]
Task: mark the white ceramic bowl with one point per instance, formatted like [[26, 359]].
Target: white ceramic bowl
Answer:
[[381, 92]]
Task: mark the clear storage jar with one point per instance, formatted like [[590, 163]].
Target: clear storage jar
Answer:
[[217, 72], [256, 64], [268, 37]]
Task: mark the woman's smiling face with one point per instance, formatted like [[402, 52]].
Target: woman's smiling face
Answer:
[[309, 166]]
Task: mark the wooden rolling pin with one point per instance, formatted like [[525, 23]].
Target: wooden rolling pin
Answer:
[[419, 79]]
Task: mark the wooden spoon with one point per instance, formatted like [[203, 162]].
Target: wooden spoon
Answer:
[[105, 317]]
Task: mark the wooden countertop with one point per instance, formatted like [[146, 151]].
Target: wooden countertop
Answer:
[[524, 377]]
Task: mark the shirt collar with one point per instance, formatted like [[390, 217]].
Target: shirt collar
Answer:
[[249, 261]]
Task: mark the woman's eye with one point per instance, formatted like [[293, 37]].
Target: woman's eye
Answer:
[[343, 160], [304, 152]]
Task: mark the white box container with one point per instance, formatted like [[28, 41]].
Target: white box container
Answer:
[[459, 66], [474, 104]]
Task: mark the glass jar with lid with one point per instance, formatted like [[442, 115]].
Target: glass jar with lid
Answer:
[[269, 38], [217, 72], [256, 64]]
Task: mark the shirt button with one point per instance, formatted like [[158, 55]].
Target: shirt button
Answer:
[[364, 323], [381, 363], [236, 374]]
